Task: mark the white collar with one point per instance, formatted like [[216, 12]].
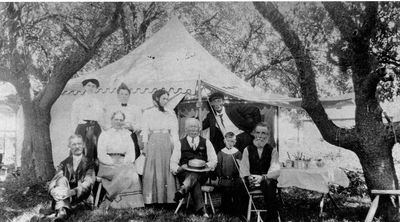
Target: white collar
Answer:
[[77, 158], [189, 139], [222, 112], [230, 151]]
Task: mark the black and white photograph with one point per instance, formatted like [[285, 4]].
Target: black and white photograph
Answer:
[[285, 111]]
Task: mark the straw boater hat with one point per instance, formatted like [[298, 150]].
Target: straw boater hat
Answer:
[[196, 165]]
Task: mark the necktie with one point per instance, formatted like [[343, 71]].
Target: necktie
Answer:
[[193, 145], [124, 104], [222, 120]]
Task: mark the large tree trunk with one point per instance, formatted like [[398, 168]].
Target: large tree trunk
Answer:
[[37, 160], [369, 139], [380, 174]]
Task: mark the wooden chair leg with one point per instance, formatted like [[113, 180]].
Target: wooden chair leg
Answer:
[[96, 199], [372, 209], [321, 205], [187, 201], [211, 203], [333, 201], [249, 209], [179, 206]]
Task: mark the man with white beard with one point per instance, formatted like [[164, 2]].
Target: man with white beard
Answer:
[[260, 168]]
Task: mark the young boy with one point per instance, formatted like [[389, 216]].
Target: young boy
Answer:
[[229, 178]]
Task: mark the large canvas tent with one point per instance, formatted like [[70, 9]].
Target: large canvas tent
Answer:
[[171, 59]]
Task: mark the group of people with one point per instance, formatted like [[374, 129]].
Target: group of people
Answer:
[[105, 145]]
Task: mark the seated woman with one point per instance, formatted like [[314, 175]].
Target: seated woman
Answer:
[[117, 170]]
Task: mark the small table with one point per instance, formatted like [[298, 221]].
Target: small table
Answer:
[[314, 179]]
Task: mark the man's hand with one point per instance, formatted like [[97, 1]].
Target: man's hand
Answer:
[[255, 180], [71, 192], [180, 169]]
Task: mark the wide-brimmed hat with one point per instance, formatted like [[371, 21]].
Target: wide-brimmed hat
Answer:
[[196, 165], [216, 95], [94, 81]]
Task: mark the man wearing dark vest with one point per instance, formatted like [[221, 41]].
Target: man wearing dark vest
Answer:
[[192, 146], [239, 119], [260, 167]]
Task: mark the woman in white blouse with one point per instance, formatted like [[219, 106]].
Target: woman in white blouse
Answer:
[[116, 153], [160, 131], [87, 116]]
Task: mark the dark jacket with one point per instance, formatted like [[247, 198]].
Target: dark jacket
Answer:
[[244, 116], [82, 179]]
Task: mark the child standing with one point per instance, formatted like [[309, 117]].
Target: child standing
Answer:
[[227, 171]]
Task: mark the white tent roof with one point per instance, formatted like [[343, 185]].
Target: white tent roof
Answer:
[[174, 60]]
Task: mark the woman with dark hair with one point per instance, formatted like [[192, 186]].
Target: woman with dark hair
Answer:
[[160, 131]]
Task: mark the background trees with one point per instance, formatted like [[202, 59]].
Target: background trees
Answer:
[[366, 41]]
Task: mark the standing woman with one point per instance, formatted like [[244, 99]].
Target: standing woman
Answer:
[[87, 113], [160, 131]]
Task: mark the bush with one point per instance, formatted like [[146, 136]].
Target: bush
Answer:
[[357, 186]]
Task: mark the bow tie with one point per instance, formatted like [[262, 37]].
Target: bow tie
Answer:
[[124, 104]]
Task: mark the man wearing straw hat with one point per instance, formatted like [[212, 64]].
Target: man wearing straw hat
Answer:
[[239, 119]]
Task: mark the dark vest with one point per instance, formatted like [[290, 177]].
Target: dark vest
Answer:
[[258, 165], [187, 152]]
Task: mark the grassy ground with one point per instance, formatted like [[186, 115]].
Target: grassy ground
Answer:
[[18, 203]]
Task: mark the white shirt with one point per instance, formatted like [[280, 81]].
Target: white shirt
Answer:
[[274, 167], [228, 125], [133, 115], [154, 119], [86, 107], [76, 160], [212, 158], [115, 141]]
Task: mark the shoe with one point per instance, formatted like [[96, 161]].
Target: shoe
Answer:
[[61, 215], [178, 196]]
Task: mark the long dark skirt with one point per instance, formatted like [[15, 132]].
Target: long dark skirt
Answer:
[[90, 132]]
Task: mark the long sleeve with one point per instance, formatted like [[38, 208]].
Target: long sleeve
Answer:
[[137, 119], [145, 127], [102, 149], [129, 147], [211, 155], [74, 115], [175, 158], [245, 164], [274, 169], [174, 127]]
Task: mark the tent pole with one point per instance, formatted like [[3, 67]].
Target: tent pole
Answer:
[[198, 104], [277, 128]]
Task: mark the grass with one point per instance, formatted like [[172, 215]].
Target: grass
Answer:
[[17, 203]]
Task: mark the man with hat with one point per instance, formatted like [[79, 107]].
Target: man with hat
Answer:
[[74, 178], [239, 119], [186, 163], [132, 113], [86, 116]]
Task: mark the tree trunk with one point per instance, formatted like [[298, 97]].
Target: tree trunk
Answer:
[[36, 159], [380, 174]]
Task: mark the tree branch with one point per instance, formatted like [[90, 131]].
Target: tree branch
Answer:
[[368, 29], [340, 16], [79, 41], [346, 138], [78, 58], [266, 67]]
